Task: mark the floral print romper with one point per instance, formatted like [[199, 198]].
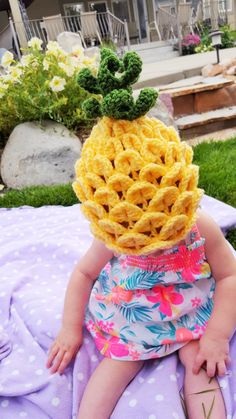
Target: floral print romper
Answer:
[[144, 307]]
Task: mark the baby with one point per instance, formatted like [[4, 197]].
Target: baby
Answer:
[[159, 276]]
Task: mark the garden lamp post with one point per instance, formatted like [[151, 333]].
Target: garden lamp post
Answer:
[[216, 42]]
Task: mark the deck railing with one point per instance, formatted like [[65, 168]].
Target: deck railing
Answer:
[[109, 28]]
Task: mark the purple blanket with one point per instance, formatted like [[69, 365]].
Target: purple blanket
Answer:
[[38, 250]]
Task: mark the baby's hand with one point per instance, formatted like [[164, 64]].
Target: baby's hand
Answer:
[[63, 349], [214, 352]]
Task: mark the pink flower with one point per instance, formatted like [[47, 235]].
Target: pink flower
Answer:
[[111, 347], [200, 329], [105, 326], [107, 268], [196, 302], [167, 297], [135, 355]]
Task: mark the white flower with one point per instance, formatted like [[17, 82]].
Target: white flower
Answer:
[[15, 73], [3, 85], [68, 69], [26, 60], [57, 84], [77, 51], [53, 46], [35, 43], [7, 59], [45, 64]]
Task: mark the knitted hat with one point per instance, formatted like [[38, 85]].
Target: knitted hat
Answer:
[[135, 178]]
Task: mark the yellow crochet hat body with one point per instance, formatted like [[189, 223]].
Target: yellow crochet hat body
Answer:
[[137, 185]]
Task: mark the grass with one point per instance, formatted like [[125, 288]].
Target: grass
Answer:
[[217, 177], [217, 173], [37, 196]]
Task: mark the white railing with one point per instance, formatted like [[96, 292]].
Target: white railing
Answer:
[[108, 28]]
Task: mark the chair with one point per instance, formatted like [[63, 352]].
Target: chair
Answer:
[[89, 26], [53, 25], [185, 13]]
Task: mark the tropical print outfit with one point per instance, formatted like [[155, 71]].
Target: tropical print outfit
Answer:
[[144, 307]]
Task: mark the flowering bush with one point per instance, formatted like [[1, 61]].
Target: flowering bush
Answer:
[[43, 85], [189, 43]]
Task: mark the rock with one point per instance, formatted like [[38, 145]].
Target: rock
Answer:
[[211, 70], [69, 40], [160, 111], [228, 62], [211, 100], [231, 71], [39, 155]]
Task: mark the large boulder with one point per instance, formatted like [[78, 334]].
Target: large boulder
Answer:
[[39, 155]]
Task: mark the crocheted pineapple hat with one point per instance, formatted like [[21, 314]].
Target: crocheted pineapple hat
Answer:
[[135, 178]]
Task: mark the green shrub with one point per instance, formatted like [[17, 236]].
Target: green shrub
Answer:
[[43, 85]]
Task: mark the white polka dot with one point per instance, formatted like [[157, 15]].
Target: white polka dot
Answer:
[[15, 372], [55, 401], [20, 350], [23, 414], [228, 417], [133, 402], [140, 380], [39, 372], [1, 387], [94, 358], [173, 377], [159, 397], [86, 341], [151, 380], [2, 294], [80, 376], [223, 384], [28, 385], [32, 358], [58, 316], [160, 367], [5, 403], [152, 416], [235, 397], [175, 415], [39, 322], [126, 393]]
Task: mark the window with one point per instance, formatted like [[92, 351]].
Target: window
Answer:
[[72, 9]]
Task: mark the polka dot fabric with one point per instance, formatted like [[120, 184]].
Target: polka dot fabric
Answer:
[[137, 185], [38, 250]]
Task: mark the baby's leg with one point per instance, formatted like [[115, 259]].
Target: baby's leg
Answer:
[[202, 394], [105, 387]]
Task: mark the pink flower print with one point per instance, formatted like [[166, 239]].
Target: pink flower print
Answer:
[[105, 326], [135, 355], [167, 297], [166, 341], [196, 302], [107, 268], [119, 294], [111, 347], [187, 274], [200, 329], [123, 262], [183, 335]]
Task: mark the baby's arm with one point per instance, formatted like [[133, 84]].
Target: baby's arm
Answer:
[[214, 345], [69, 339]]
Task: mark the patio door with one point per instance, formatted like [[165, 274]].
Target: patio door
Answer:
[[141, 17], [72, 9]]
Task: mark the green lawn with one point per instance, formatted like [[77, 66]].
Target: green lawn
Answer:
[[217, 161]]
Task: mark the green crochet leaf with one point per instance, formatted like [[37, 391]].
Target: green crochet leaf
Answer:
[[113, 82]]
